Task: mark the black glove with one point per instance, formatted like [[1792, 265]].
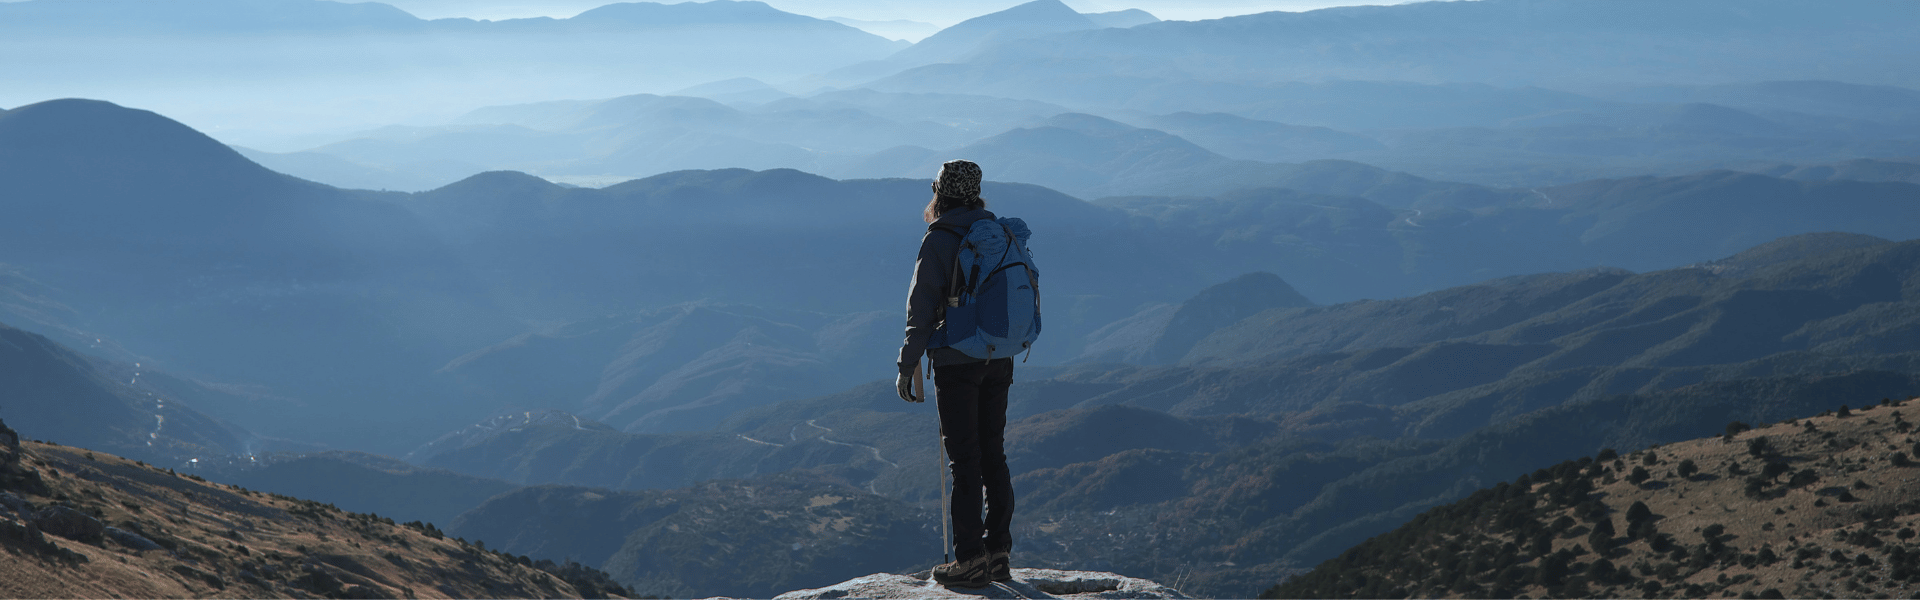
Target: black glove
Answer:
[[905, 386]]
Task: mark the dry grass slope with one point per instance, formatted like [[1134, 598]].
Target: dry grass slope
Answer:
[[1823, 507], [217, 541]]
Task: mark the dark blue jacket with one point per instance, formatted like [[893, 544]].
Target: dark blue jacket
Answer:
[[932, 273]]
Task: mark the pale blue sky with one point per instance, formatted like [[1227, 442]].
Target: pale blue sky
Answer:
[[938, 12]]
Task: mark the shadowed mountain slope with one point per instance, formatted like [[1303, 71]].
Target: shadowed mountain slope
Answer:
[[1677, 317], [680, 368], [360, 482], [716, 537], [1164, 333], [211, 266], [69, 397]]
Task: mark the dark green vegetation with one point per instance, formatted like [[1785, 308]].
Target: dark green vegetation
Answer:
[[1815, 507]]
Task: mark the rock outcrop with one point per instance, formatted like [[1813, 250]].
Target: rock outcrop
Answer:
[[72, 524], [1027, 583]]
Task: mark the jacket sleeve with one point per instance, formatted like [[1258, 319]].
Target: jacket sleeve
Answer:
[[926, 294]]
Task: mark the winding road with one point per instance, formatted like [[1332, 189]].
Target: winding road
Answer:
[[1543, 195], [875, 451], [744, 437]]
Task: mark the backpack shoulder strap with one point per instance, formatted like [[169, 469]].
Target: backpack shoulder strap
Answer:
[[953, 283]]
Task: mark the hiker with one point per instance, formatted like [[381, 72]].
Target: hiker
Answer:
[[950, 317]]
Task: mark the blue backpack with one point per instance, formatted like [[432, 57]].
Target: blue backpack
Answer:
[[993, 301]]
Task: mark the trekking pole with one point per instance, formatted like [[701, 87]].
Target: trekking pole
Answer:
[[946, 537]]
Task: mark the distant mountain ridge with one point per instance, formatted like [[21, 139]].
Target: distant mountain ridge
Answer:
[[492, 253], [1034, 18], [1275, 46], [1031, 19], [237, 17], [303, 57]]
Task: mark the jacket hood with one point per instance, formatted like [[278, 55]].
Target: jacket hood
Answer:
[[963, 218]]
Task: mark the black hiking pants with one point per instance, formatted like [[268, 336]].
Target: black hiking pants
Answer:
[[973, 420]]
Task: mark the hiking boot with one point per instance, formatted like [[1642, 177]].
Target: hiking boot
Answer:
[[999, 568], [969, 573]]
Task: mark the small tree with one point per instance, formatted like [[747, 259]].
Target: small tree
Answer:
[[1601, 538], [1713, 532], [1639, 475], [1756, 487], [1638, 512], [1774, 470], [1803, 478], [1687, 469]]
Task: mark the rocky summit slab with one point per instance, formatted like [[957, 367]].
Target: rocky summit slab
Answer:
[[1027, 583]]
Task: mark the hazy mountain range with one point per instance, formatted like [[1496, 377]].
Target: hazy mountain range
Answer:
[[1785, 326], [302, 66], [1632, 361], [626, 290], [1192, 142], [152, 241]]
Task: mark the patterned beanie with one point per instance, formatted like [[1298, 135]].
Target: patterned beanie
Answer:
[[958, 179]]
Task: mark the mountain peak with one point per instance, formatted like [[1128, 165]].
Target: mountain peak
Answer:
[[1035, 11], [1088, 124], [724, 12], [63, 143], [1040, 17], [1122, 18]]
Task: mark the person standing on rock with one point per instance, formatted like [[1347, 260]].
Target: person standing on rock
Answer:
[[973, 304]]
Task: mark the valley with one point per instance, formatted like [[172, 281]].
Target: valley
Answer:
[[1335, 300]]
